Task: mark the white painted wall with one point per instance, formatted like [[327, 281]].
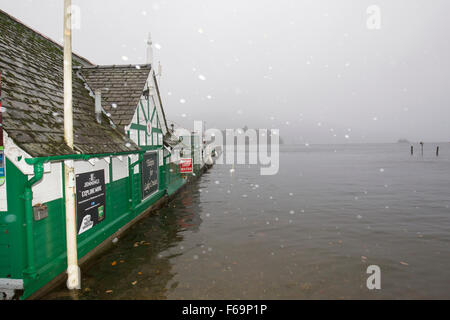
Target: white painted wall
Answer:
[[120, 168], [134, 158], [50, 187], [3, 193], [82, 166], [16, 155], [142, 137]]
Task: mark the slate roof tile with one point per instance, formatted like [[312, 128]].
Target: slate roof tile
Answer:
[[32, 90], [119, 84]]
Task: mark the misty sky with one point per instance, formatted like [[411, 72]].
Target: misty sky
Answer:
[[312, 69]]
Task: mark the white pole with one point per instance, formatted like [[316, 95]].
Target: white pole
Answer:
[[73, 271], [150, 50]]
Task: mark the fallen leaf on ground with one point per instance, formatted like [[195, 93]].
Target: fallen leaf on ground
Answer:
[[404, 263], [108, 291], [134, 282], [114, 263]]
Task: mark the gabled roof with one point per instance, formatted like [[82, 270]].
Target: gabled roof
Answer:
[[32, 86], [121, 88]]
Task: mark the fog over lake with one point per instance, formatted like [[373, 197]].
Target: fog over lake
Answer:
[[313, 69]]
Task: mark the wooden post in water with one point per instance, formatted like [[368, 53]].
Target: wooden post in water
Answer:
[[437, 151], [421, 146], [412, 150]]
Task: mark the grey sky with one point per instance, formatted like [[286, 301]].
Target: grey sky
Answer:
[[310, 68]]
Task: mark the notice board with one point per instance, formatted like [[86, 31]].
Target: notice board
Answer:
[[149, 174], [90, 199]]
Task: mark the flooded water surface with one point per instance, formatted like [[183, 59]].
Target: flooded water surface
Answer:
[[309, 232]]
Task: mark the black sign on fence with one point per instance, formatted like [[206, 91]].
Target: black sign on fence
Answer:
[[149, 174], [90, 199]]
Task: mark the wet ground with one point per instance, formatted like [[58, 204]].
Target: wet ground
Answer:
[[309, 232]]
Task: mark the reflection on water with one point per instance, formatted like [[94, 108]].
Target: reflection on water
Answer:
[[137, 266], [310, 232]]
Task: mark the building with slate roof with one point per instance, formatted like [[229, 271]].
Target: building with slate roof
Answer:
[[121, 155]]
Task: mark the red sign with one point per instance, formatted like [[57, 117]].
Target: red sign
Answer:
[[186, 165]]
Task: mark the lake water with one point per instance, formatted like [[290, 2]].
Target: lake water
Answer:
[[309, 232]]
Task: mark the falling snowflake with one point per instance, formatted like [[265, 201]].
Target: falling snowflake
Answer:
[[182, 101], [124, 58], [202, 77], [158, 46]]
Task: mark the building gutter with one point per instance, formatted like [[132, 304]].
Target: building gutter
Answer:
[[32, 161]]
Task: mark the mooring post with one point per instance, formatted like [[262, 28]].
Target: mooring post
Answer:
[[412, 150], [421, 146], [437, 151]]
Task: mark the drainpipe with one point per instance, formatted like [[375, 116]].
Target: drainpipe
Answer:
[[73, 271], [28, 196], [98, 106]]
